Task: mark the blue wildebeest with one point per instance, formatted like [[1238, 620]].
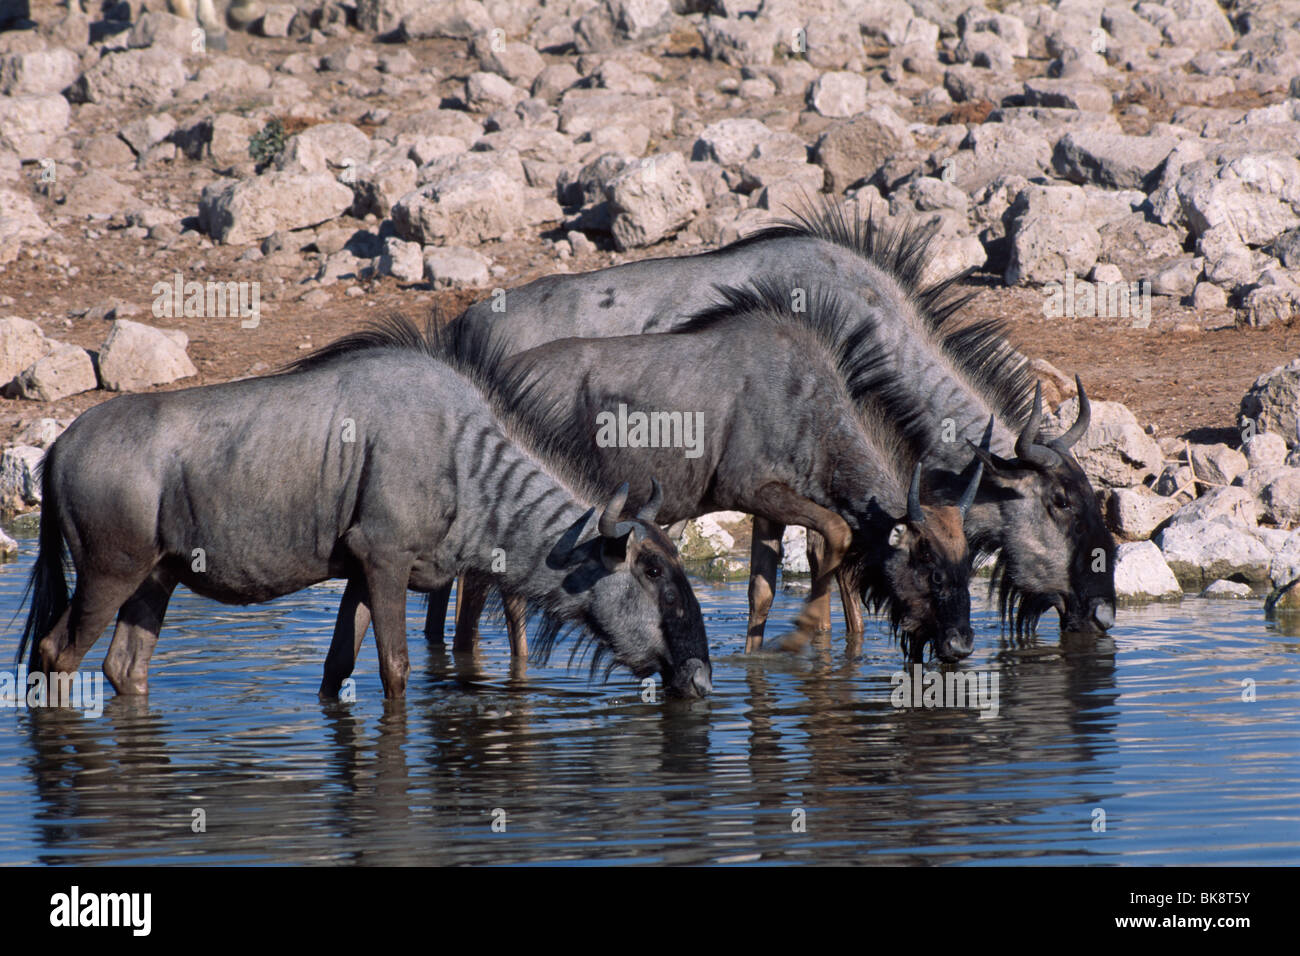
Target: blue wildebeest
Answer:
[[373, 461], [780, 398], [1036, 507]]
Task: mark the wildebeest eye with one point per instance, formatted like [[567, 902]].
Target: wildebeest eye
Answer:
[[653, 571], [1059, 500], [936, 576]]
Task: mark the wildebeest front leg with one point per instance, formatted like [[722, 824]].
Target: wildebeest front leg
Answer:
[[471, 597], [852, 610], [852, 606], [387, 586], [819, 607], [516, 621], [126, 665], [776, 502], [435, 621], [764, 559], [349, 630]]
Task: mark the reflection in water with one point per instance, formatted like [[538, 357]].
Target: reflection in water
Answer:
[[233, 760]]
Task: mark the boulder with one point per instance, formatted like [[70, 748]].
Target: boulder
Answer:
[[402, 260], [854, 149], [1067, 94], [67, 370], [1253, 198], [1280, 498], [251, 209], [166, 30], [488, 92], [1050, 235], [146, 78], [455, 267], [730, 142], [20, 223], [1115, 451], [32, 125], [1236, 506], [324, 148], [1285, 564], [1110, 159], [19, 485], [794, 551], [1142, 574], [839, 94], [652, 199], [704, 538], [1227, 590], [22, 344], [1200, 551], [1272, 403], [137, 356], [38, 72], [1218, 464], [1135, 513], [451, 19], [1264, 450], [461, 206]]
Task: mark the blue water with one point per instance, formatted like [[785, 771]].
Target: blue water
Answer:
[[789, 761]]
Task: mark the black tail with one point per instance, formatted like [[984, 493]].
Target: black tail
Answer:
[[48, 585]]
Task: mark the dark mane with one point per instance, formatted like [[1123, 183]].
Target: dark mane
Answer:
[[391, 331], [980, 350]]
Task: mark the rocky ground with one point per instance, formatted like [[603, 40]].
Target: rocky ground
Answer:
[[336, 160]]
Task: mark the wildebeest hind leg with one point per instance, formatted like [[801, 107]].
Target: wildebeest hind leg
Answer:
[[95, 601], [126, 665], [764, 559], [435, 621], [349, 630]]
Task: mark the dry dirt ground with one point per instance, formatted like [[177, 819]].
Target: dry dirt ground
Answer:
[[1181, 374]]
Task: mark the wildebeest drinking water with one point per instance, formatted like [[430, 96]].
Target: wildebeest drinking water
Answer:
[[1035, 507], [779, 394], [374, 461]]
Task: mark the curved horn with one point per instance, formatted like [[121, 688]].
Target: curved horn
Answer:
[[1026, 449], [968, 496], [914, 512], [651, 508], [987, 441], [1081, 422], [610, 526]]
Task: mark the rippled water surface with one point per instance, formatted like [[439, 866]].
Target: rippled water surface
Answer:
[[1145, 732]]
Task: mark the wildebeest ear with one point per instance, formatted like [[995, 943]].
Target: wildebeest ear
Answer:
[[1001, 470], [615, 552], [897, 534], [563, 551]]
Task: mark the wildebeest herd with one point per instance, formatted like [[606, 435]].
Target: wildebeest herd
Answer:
[[836, 392]]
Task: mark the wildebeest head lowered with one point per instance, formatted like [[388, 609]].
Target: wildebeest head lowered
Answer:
[[1048, 506], [920, 574], [640, 610]]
